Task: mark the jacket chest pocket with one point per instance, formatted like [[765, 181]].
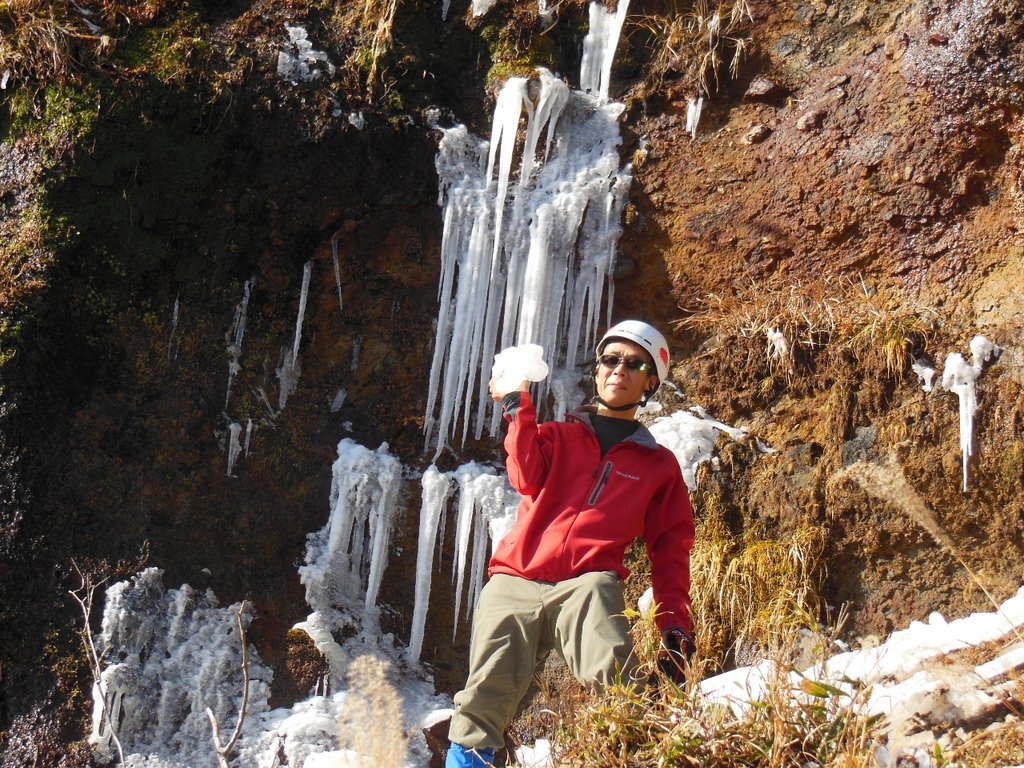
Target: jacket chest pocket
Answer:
[[602, 481]]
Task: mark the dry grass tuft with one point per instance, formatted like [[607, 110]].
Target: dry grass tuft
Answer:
[[833, 323], [809, 724], [373, 726], [693, 40], [753, 595]]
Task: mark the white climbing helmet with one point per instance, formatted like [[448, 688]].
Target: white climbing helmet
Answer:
[[647, 336]]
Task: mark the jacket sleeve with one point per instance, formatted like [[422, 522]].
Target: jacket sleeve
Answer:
[[529, 448], [669, 536]]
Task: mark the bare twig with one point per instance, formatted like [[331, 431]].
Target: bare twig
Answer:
[[224, 751], [84, 597]]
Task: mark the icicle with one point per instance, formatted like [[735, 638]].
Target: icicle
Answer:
[[248, 436], [172, 350], [959, 377], [235, 335], [357, 347], [289, 370], [694, 107], [337, 270], [364, 493], [234, 445], [463, 526], [437, 487], [599, 48], [339, 400], [525, 262]]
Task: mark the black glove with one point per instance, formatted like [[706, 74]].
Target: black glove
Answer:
[[677, 648]]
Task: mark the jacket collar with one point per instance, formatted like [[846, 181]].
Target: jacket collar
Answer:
[[642, 435]]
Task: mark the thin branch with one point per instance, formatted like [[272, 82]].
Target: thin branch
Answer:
[[88, 589], [224, 751]]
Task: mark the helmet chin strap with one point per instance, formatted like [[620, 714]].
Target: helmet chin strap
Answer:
[[618, 407], [646, 397]]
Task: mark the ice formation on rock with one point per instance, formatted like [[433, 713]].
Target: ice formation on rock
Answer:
[[167, 655], [959, 377]]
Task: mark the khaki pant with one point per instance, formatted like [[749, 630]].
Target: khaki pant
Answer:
[[517, 623]]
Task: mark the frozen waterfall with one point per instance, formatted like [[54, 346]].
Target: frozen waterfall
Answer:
[[528, 248]]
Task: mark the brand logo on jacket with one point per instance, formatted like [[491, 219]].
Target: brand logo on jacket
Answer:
[[626, 475]]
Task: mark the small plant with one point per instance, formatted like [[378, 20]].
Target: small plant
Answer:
[[373, 728]]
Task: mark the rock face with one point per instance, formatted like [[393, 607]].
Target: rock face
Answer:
[[873, 216]]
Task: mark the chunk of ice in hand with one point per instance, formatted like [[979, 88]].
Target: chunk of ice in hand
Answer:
[[514, 365]]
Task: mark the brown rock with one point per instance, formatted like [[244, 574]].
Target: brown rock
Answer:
[[764, 91], [810, 121], [756, 134]]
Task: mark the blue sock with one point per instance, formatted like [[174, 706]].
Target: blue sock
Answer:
[[467, 757]]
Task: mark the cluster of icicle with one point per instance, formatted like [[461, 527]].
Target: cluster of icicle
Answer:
[[527, 252], [485, 510]]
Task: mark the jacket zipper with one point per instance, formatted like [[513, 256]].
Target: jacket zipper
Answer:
[[605, 471]]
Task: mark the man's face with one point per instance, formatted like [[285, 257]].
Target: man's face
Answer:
[[622, 385]]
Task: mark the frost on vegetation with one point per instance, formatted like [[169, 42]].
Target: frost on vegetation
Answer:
[[356, 120], [167, 655], [778, 347], [298, 61], [925, 373], [527, 249], [960, 377], [485, 510]]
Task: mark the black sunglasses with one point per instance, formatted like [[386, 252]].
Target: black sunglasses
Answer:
[[632, 363]]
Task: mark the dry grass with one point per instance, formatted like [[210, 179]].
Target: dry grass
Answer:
[[693, 41], [813, 724], [44, 41], [753, 594], [24, 256], [837, 321], [373, 726]]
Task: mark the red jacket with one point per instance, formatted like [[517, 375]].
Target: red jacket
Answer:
[[580, 511]]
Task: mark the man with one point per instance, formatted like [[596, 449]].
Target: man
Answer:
[[590, 485]]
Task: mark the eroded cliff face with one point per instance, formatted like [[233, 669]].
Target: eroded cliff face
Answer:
[[864, 164], [870, 155]]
